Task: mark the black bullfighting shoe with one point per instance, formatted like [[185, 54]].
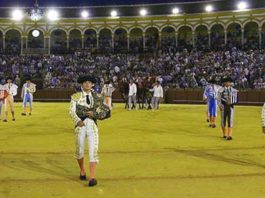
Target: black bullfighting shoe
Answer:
[[92, 182], [229, 138], [82, 177]]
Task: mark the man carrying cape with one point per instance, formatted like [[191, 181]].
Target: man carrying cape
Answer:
[[11, 89], [85, 109]]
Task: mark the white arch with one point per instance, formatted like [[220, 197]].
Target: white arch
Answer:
[[218, 23], [19, 30], [35, 28], [136, 27], [121, 27], [262, 23], [74, 28], [250, 21], [90, 28], [152, 26], [185, 25], [2, 31], [102, 28], [231, 22], [202, 24], [57, 28], [167, 25]]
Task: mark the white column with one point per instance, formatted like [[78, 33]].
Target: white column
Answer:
[[144, 40], [193, 39], [82, 41], [112, 41], [97, 41], [26, 39], [44, 43], [128, 42], [47, 44], [67, 41], [260, 37], [4, 42], [176, 37], [21, 45], [225, 32], [242, 37], [159, 38], [209, 39]]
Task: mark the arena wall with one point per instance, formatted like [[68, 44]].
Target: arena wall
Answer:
[[172, 96]]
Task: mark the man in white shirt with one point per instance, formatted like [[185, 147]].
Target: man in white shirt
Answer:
[[107, 91], [132, 94], [27, 95], [158, 93], [9, 101], [263, 118]]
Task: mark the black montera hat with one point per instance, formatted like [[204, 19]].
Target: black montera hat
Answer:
[[27, 77], [227, 79], [82, 79], [212, 81], [9, 78]]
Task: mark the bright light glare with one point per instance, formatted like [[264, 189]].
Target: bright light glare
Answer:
[[17, 15], [175, 11], [35, 33], [113, 13], [84, 14], [242, 5], [143, 12], [209, 8], [53, 15]]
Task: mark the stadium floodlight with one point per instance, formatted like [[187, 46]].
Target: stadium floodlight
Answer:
[[209, 8], [84, 14], [242, 5], [113, 13], [143, 12], [35, 33], [53, 15], [17, 15], [175, 11]]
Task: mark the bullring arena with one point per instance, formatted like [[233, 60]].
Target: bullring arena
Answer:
[[174, 150]]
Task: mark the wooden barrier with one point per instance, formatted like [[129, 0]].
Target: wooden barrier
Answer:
[[188, 96]]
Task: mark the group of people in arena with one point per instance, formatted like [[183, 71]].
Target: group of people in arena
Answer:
[[225, 98], [139, 78], [7, 93], [147, 92]]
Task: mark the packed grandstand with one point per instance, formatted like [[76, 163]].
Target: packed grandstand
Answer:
[[184, 49]]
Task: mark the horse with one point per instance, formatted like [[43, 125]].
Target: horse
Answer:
[[123, 87], [144, 95]]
